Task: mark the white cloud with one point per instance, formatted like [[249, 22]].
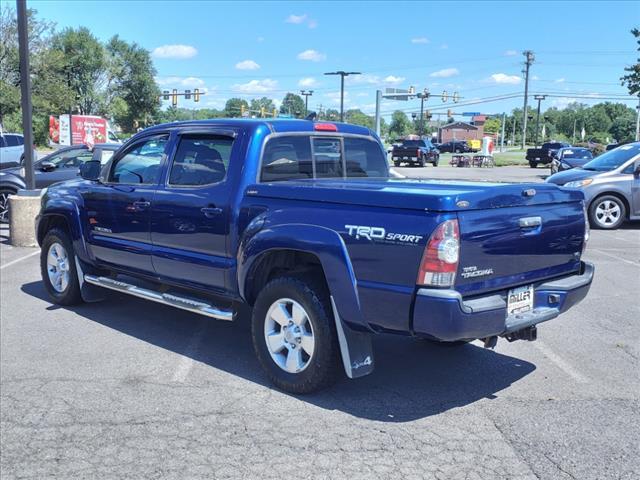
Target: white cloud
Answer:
[[176, 82], [256, 86], [174, 51], [535, 77], [420, 40], [506, 79], [562, 102], [247, 65], [445, 73], [296, 19], [312, 24], [307, 82], [510, 53], [312, 55], [260, 39], [394, 80], [559, 80]]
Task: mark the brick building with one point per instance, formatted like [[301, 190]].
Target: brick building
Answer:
[[463, 130]]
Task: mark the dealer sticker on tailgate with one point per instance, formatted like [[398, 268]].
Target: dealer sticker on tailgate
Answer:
[[520, 300]]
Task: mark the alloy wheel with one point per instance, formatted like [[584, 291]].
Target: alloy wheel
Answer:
[[58, 267]]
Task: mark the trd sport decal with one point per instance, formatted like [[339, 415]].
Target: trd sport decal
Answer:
[[379, 233]]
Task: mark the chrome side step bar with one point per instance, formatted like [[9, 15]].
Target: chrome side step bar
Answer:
[[194, 306]]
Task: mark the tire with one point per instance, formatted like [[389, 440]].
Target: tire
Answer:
[[57, 260], [22, 160], [436, 160], [423, 161], [607, 212], [457, 150], [397, 164], [307, 371], [533, 164], [4, 204]]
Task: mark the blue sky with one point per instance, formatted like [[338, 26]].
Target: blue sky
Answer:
[[252, 49]]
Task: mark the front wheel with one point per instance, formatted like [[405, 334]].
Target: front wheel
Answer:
[[294, 335], [607, 212], [4, 204], [58, 268]]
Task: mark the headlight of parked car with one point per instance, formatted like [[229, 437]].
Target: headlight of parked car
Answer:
[[579, 183]]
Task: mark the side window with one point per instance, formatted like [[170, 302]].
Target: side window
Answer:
[[327, 155], [140, 163], [628, 170], [75, 161], [3, 142], [12, 141], [286, 158], [364, 158], [200, 160]]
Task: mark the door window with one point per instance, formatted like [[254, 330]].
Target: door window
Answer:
[[3, 142], [200, 160], [13, 140], [287, 158], [140, 164]]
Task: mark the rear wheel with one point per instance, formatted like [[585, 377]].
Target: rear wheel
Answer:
[[294, 335], [58, 268], [423, 161], [533, 164], [397, 164], [4, 204], [607, 212]]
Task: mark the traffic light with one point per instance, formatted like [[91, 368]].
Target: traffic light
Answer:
[[242, 110], [456, 97], [262, 112], [196, 95], [174, 98], [445, 96], [449, 113], [427, 114], [165, 95], [187, 94]]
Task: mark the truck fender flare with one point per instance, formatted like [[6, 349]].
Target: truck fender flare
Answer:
[[355, 343], [72, 220]]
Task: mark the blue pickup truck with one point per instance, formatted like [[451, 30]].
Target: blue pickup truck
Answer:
[[301, 221]]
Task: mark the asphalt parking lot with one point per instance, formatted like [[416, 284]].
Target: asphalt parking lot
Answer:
[[131, 389]]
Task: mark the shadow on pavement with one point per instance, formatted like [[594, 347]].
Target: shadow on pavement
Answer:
[[413, 378]]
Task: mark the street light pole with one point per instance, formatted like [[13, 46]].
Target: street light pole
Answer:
[[539, 98], [25, 92], [342, 74], [306, 95]]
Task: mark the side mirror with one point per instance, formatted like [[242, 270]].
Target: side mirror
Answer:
[[90, 170], [47, 167]]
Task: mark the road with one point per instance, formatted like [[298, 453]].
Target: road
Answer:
[[130, 389]]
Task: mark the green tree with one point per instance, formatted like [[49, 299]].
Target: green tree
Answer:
[[84, 66], [233, 107], [632, 79], [400, 125], [257, 104], [130, 78], [492, 125], [357, 117], [292, 104], [331, 114]]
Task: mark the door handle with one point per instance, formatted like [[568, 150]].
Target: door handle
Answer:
[[141, 205], [530, 222], [211, 212]]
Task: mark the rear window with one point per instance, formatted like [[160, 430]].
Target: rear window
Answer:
[[13, 140], [308, 157], [413, 143]]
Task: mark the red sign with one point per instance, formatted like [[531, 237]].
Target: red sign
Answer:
[[88, 130]]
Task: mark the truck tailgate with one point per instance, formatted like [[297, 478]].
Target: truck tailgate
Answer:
[[504, 247]]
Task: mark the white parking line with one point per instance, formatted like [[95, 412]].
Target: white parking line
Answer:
[[560, 363], [13, 262], [186, 362], [615, 257]]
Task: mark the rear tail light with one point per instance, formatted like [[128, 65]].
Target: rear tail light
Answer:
[[418, 153], [441, 255]]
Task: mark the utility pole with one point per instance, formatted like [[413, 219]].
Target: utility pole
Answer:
[[504, 121], [638, 121], [25, 92], [342, 74], [575, 119], [530, 57], [378, 101], [539, 98], [424, 94], [306, 95]]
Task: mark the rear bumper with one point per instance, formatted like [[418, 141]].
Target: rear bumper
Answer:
[[446, 316]]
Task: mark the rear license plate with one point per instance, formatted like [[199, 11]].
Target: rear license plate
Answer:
[[520, 300]]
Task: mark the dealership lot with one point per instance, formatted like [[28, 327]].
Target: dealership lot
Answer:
[[126, 388]]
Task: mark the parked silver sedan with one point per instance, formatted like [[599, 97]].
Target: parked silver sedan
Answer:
[[611, 186]]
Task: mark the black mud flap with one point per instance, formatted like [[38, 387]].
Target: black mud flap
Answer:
[[89, 293], [355, 348]]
